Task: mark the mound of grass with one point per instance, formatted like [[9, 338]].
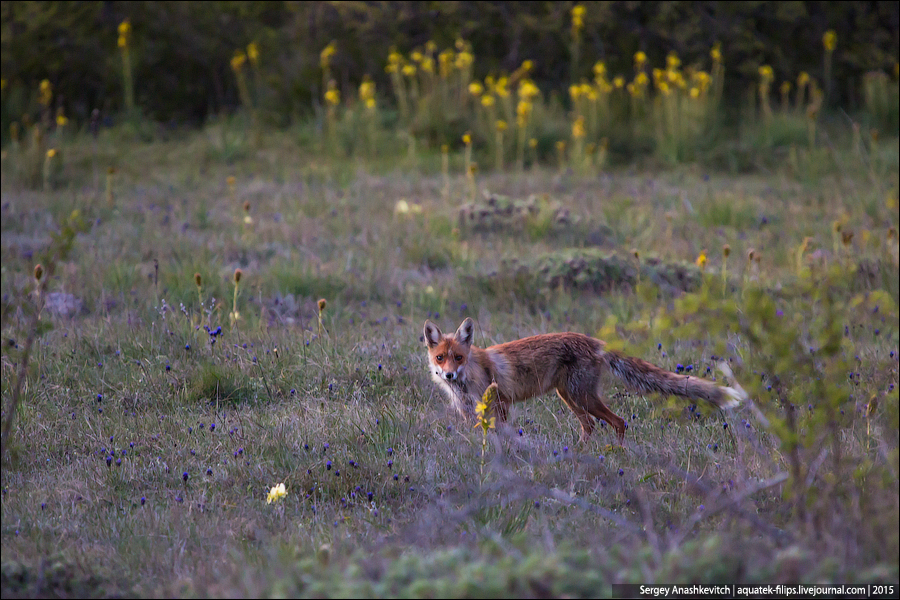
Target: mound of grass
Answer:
[[589, 269], [535, 216], [214, 384]]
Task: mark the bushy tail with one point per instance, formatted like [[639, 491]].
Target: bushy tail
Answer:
[[640, 376]]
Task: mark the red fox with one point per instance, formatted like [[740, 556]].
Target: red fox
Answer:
[[570, 363]]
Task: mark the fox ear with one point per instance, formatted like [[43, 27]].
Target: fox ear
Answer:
[[433, 335], [466, 332]]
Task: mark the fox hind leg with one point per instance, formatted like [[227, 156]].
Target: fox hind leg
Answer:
[[598, 408], [577, 408]]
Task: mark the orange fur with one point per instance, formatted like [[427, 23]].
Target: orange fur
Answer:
[[569, 363]]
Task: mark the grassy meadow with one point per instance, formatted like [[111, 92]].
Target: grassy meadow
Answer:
[[223, 310]]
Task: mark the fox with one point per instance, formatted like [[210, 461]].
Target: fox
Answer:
[[570, 363]]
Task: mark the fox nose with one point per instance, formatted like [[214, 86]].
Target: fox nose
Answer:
[[450, 375]]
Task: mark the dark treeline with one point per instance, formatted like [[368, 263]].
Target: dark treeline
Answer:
[[181, 51]]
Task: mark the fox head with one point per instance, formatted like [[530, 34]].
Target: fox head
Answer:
[[448, 355]]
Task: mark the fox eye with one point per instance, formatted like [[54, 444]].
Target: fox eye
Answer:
[[439, 358], [458, 357]]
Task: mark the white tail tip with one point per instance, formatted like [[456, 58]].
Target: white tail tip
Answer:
[[735, 394]]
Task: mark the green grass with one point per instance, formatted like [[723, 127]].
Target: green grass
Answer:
[[803, 494]]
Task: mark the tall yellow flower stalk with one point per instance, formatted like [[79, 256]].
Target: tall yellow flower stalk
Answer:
[[578, 133], [325, 63], [50, 160], [766, 76], [235, 315], [45, 98], [498, 144], [367, 98], [237, 65], [463, 63], [785, 90], [577, 27], [488, 114], [125, 48], [469, 165], [332, 100], [501, 89], [321, 304], [802, 85], [393, 68], [717, 77], [490, 398], [829, 42], [253, 57], [527, 92]]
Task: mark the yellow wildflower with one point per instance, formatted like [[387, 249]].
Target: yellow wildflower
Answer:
[[695, 93], [829, 40], [618, 82], [61, 120], [501, 87], [523, 109], [253, 53], [46, 92], [467, 138], [326, 54], [716, 52], [476, 89], [333, 95], [238, 60], [578, 17], [802, 79], [639, 59], [409, 69], [599, 68], [276, 493], [124, 33], [672, 61], [578, 128], [501, 125], [464, 59], [766, 73], [701, 260], [528, 90], [367, 89], [487, 100]]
